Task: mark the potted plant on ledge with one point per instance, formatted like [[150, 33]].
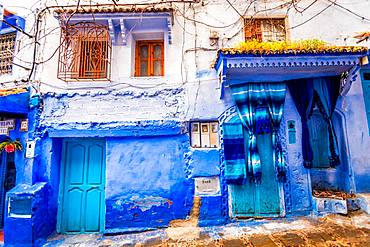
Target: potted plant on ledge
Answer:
[[10, 146]]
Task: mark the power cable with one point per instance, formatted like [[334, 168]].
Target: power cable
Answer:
[[312, 17], [301, 11], [348, 10], [237, 11]]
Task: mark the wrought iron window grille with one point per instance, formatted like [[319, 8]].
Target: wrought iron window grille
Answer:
[[85, 52], [262, 29], [7, 46]]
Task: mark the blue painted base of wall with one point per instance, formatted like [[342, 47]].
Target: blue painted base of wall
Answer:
[[211, 211], [31, 231]]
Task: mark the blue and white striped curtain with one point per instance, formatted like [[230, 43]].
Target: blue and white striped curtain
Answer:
[[275, 96], [234, 153], [250, 100]]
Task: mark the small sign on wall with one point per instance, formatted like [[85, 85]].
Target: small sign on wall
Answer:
[[24, 125], [10, 124], [207, 186], [4, 131]]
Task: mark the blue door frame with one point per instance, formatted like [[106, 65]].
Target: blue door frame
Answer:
[[82, 186]]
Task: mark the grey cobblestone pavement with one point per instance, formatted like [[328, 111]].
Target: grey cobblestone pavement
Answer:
[[334, 230]]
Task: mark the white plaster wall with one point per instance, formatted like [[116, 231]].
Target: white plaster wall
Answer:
[[189, 52], [188, 59], [187, 55]]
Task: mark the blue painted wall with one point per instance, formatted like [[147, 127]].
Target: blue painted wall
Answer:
[[47, 169], [203, 162], [353, 108], [297, 188], [146, 181], [150, 165]]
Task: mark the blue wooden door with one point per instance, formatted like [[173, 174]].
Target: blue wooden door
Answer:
[[258, 200], [83, 186], [319, 139]]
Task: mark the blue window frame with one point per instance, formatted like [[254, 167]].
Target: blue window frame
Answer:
[[365, 78]]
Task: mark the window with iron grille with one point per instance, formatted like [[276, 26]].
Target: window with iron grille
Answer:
[[7, 46], [85, 52], [265, 29]]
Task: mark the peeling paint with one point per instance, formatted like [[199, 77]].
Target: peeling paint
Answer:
[[144, 204]]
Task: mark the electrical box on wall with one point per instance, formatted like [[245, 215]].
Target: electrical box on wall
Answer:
[[195, 135], [214, 135], [204, 135], [30, 149]]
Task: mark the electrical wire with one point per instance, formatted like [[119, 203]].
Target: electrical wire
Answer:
[[237, 11], [312, 17], [301, 11], [348, 10], [287, 5]]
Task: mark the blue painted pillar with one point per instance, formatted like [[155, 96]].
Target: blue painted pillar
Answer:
[[25, 215]]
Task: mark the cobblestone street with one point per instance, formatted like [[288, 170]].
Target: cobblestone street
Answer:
[[335, 230]]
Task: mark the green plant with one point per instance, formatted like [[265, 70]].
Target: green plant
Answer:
[[10, 146]]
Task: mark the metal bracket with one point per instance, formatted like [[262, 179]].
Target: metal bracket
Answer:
[[123, 31], [111, 31]]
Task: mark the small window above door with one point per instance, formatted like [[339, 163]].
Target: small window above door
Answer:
[[149, 58], [265, 29]]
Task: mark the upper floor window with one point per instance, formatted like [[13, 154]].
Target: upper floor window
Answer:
[[7, 46], [149, 58], [204, 134], [85, 52], [271, 29]]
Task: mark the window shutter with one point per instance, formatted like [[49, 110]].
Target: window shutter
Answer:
[[248, 29], [257, 30], [137, 61]]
